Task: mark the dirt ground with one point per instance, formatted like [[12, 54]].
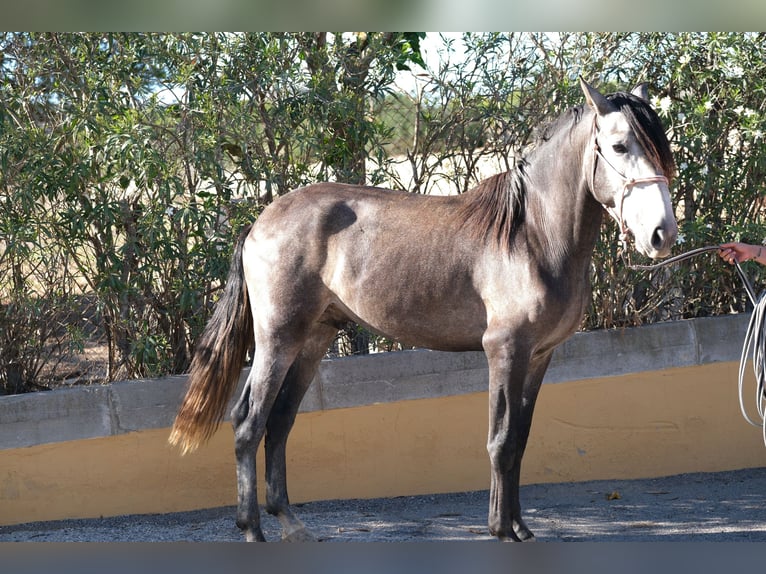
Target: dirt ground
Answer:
[[700, 507]]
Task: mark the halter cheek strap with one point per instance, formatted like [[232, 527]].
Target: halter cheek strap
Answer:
[[628, 183]]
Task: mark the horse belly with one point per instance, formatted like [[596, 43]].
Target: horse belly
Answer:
[[417, 330], [406, 303]]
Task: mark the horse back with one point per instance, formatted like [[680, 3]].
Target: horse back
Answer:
[[393, 261]]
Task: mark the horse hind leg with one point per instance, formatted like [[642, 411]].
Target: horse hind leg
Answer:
[[279, 424], [270, 366]]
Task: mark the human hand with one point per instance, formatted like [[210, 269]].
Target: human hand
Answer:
[[739, 252]]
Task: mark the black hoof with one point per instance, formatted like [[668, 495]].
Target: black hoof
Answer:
[[300, 535]]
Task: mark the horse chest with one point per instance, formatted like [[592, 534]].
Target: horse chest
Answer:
[[563, 308], [544, 308]]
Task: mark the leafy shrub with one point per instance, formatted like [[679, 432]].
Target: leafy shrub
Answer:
[[129, 162]]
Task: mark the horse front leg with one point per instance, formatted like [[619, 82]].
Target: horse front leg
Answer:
[[514, 382]]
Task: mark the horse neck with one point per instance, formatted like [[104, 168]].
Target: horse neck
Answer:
[[560, 201]]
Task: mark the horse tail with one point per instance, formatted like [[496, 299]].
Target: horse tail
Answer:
[[218, 360]]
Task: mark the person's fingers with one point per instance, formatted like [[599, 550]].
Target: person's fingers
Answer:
[[729, 255]]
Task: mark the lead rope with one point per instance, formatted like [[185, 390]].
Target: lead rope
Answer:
[[755, 338]]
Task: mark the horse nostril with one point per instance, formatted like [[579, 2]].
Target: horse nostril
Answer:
[[658, 238]]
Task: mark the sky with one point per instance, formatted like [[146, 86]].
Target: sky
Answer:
[[432, 50]]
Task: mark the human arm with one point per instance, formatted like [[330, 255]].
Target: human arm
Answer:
[[741, 252]]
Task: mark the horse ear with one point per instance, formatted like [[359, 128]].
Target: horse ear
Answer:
[[595, 99], [642, 91]]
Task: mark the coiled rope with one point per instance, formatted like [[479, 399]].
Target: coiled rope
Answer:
[[755, 338]]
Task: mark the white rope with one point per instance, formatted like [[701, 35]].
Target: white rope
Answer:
[[755, 346], [755, 339]]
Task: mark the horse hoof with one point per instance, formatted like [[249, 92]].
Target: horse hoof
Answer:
[[528, 537], [254, 536], [299, 535], [524, 534], [519, 534]]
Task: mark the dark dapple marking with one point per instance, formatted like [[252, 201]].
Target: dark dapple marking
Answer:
[[503, 268]]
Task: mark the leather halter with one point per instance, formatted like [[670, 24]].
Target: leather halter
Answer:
[[628, 182]]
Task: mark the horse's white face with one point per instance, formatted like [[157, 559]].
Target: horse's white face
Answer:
[[627, 183]]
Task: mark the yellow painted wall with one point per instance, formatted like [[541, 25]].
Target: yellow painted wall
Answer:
[[634, 426]]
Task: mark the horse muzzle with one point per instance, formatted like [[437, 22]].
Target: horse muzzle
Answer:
[[657, 242]]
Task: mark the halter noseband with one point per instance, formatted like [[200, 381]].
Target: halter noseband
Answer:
[[628, 182]]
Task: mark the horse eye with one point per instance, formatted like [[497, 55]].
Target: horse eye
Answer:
[[620, 148]]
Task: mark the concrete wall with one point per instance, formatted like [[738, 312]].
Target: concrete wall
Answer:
[[649, 401]]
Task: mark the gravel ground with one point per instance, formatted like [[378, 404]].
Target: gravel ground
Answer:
[[725, 506]]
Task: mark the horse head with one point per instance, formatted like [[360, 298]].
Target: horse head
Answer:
[[631, 168]]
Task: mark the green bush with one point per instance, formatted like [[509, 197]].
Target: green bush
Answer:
[[129, 162]]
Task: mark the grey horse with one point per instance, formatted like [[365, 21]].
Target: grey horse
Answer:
[[502, 268]]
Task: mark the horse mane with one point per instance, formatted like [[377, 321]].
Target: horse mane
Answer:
[[494, 208], [569, 119], [645, 123]]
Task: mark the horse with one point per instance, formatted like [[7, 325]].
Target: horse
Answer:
[[502, 268]]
